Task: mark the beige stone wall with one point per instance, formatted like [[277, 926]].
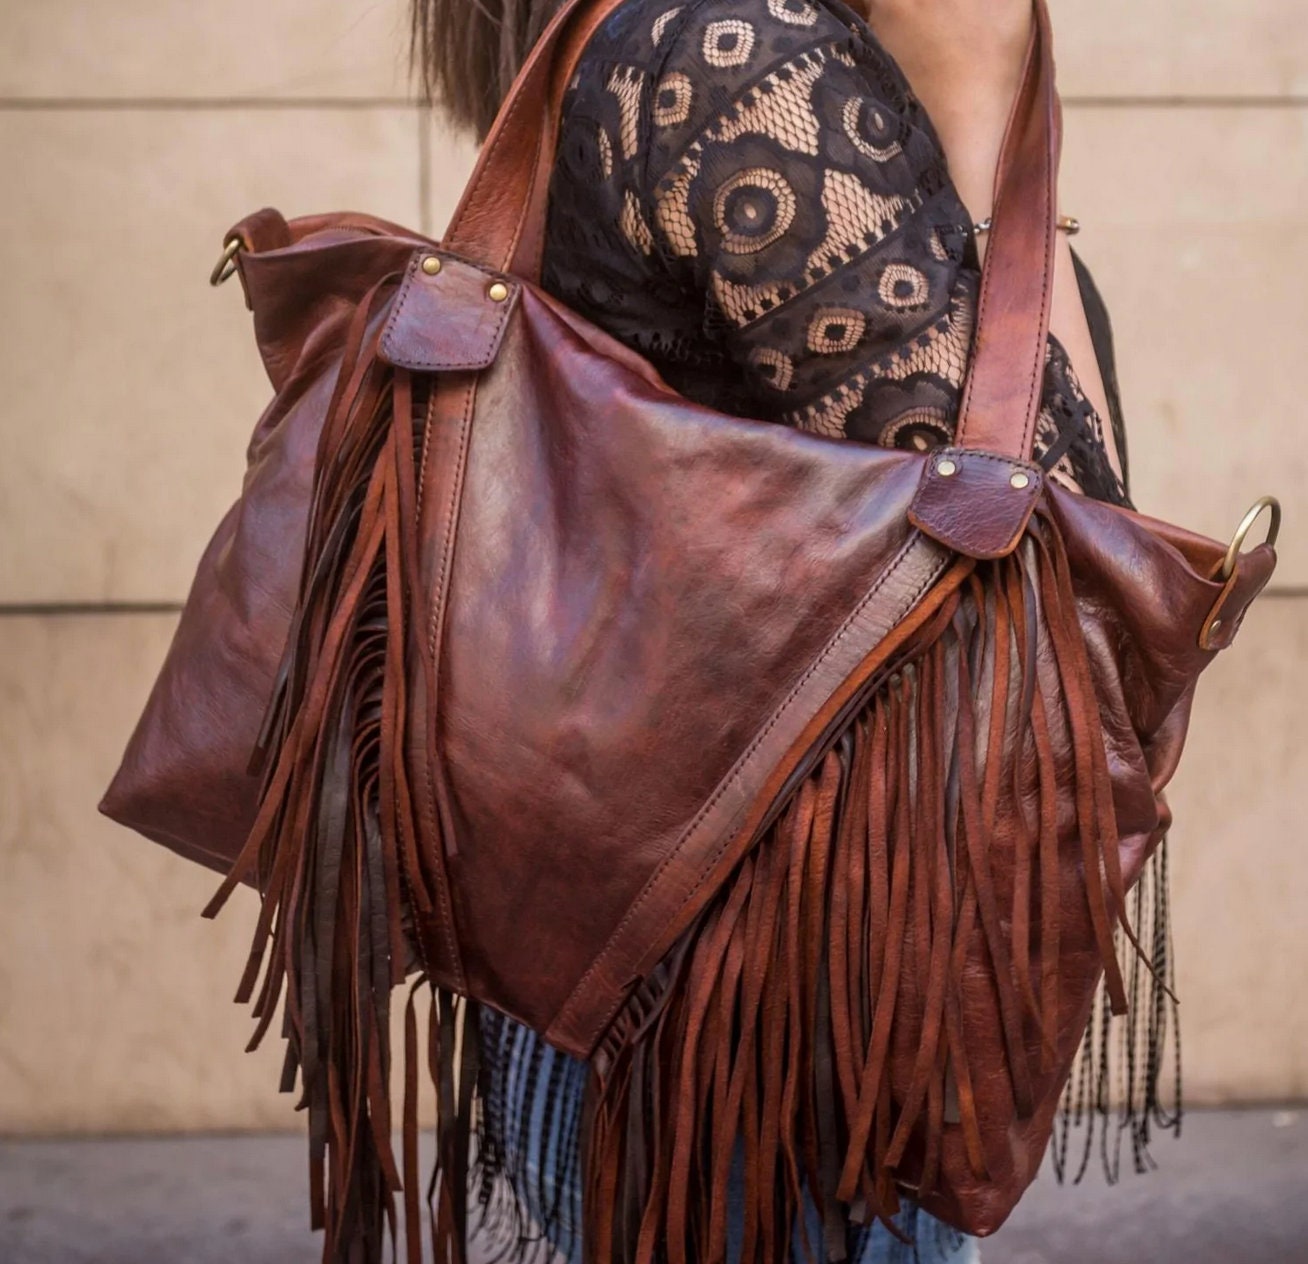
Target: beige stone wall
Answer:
[[133, 133]]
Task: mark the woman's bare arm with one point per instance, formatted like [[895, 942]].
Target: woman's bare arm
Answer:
[[964, 59]]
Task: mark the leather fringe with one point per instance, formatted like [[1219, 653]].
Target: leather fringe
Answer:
[[335, 850], [838, 948]]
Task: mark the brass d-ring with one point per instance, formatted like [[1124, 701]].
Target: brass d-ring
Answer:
[[1242, 533], [226, 266]]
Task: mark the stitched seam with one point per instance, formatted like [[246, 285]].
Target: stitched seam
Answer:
[[982, 306], [1037, 372], [465, 429], [1050, 252], [737, 769], [529, 201], [1037, 376], [438, 607], [404, 300], [717, 854], [437, 618], [506, 309], [917, 593], [428, 425], [479, 174]]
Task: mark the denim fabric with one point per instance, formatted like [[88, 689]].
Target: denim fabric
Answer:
[[536, 1090]]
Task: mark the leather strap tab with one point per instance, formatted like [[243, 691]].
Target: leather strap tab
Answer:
[[976, 503], [260, 231], [1238, 593], [449, 315]]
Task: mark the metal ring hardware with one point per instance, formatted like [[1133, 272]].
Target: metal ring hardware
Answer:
[[1068, 224], [1242, 533], [225, 268]]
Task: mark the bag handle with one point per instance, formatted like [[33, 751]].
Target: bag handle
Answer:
[[1002, 396], [500, 221]]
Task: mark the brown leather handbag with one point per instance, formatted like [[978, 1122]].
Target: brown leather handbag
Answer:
[[797, 783]]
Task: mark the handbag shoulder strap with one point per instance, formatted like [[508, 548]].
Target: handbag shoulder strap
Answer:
[[1002, 397], [500, 221]]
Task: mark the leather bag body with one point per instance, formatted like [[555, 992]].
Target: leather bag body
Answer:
[[798, 784], [185, 780]]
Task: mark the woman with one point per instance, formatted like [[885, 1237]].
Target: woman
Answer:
[[750, 194]]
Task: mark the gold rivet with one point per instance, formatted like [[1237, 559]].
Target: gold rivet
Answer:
[[498, 292], [1216, 627], [946, 469], [1020, 480], [431, 265]]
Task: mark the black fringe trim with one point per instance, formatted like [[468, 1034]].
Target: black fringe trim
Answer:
[[1126, 1082]]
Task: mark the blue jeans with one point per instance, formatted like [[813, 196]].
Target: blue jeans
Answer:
[[532, 1109]]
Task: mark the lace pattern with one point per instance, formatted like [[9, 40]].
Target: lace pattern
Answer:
[[748, 193]]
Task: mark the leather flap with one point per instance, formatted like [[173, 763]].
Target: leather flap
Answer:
[[976, 503], [450, 315]]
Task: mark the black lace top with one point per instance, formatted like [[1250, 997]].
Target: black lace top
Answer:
[[748, 193]]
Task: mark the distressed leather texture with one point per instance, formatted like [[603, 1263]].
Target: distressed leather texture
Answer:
[[974, 507], [184, 780], [633, 628], [447, 322]]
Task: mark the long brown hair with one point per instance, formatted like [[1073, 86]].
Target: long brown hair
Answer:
[[467, 52]]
